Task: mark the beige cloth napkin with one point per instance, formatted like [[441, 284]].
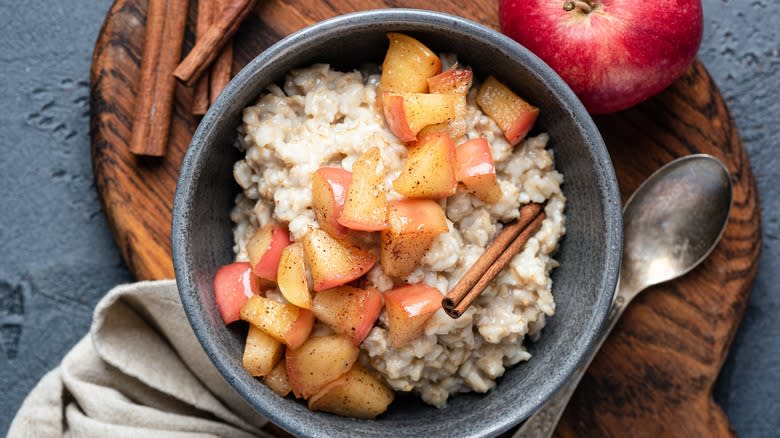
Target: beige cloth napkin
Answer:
[[140, 371]]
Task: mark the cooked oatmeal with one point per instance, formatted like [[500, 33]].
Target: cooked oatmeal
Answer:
[[323, 117]]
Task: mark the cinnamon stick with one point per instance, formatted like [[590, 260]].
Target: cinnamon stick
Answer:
[[222, 69], [205, 51], [164, 37], [200, 99], [505, 246]]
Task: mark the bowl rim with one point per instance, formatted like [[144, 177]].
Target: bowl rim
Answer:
[[609, 192]]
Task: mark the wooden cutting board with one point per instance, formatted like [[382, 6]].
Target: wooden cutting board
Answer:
[[653, 377]]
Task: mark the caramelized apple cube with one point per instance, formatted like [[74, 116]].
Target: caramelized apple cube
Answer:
[[513, 115], [429, 171], [452, 81], [292, 276], [365, 207], [277, 379], [319, 361], [348, 310], [413, 225], [287, 323], [407, 113], [356, 394], [234, 284], [334, 262], [408, 64], [475, 170], [261, 352], [265, 249], [329, 186], [408, 309]]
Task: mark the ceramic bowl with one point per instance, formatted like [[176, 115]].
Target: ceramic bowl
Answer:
[[589, 254]]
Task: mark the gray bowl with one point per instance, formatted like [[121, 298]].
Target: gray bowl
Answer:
[[589, 254]]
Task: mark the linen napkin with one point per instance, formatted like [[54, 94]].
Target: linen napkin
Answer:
[[140, 371]]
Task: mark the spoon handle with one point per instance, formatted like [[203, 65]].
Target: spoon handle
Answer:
[[542, 423]]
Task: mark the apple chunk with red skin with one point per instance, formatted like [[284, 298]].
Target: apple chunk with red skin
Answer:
[[348, 310], [429, 171], [319, 361], [261, 352], [453, 81], [234, 284], [408, 309], [292, 276], [413, 225], [407, 113], [356, 394], [408, 64], [287, 323], [513, 115], [264, 249], [365, 207], [329, 186], [334, 262], [475, 170]]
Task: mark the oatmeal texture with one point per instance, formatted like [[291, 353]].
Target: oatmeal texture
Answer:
[[323, 117]]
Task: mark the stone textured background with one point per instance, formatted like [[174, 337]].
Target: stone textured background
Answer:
[[57, 257]]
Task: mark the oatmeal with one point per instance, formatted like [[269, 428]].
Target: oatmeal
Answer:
[[322, 117]]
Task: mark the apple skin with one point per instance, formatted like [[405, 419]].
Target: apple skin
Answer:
[[619, 54]]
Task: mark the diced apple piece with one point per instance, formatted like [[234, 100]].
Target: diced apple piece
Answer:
[[292, 276], [288, 324], [356, 394], [348, 310], [476, 171], [511, 113], [365, 207], [329, 186], [452, 81], [233, 285], [408, 309], [265, 249], [319, 361], [408, 65], [413, 225], [429, 171], [407, 113], [261, 352], [334, 262], [277, 379]]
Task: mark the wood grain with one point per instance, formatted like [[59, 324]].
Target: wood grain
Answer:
[[655, 374]]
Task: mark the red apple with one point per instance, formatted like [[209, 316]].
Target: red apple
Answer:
[[612, 53]]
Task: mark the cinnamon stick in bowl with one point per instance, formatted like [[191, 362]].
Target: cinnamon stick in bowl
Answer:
[[505, 246]]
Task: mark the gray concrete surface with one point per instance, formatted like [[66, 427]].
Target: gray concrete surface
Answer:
[[57, 257]]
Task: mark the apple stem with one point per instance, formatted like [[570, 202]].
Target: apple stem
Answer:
[[581, 6]]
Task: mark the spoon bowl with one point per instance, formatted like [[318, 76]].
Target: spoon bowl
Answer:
[[673, 220]]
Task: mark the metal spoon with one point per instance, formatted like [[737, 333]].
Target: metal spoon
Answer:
[[670, 224]]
